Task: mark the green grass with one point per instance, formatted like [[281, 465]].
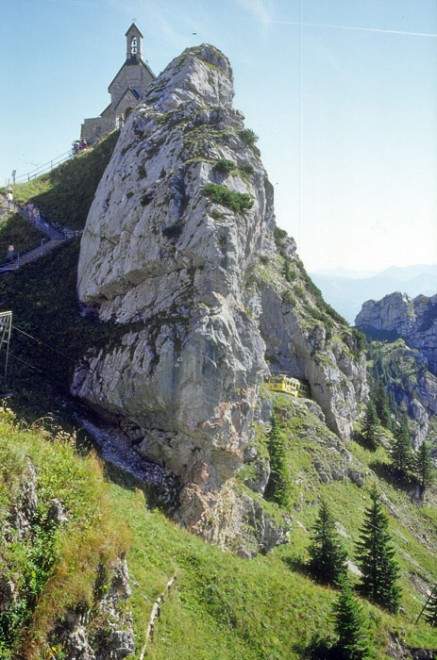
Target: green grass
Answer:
[[221, 606], [65, 194], [54, 567], [226, 607]]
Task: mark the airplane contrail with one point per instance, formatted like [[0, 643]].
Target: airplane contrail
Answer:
[[432, 35]]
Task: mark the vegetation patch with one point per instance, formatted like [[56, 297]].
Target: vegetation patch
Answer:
[[237, 202], [51, 566], [65, 194], [225, 166], [250, 138]]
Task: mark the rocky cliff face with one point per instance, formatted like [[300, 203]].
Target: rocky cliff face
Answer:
[[412, 319], [410, 356], [179, 250]]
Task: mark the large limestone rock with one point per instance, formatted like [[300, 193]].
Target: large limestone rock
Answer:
[[175, 250], [408, 326], [412, 319]]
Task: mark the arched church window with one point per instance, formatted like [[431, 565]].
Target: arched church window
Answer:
[[134, 46]]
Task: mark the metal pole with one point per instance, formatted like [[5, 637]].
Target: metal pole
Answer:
[[6, 326], [433, 591]]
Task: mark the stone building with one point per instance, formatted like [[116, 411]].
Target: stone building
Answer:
[[126, 90]]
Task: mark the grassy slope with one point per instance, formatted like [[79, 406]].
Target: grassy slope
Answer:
[[57, 566], [42, 295], [223, 606], [65, 194], [227, 607]]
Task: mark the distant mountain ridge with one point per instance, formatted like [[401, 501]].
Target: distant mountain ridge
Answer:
[[347, 292]]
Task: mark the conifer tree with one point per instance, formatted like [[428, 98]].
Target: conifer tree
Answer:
[[370, 429], [382, 407], [375, 556], [423, 468], [279, 484], [431, 608], [327, 555], [350, 626], [392, 402], [401, 451]]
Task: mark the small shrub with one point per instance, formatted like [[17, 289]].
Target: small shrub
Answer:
[[237, 202], [224, 166], [288, 298], [247, 169], [249, 137], [279, 235], [360, 341]]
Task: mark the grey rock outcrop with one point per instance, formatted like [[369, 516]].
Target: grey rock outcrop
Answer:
[[99, 632], [175, 251], [21, 516], [412, 319], [113, 635], [408, 329]]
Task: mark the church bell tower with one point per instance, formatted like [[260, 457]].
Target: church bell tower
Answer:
[[133, 45], [126, 90]]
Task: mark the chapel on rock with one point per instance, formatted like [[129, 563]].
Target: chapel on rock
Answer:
[[126, 90]]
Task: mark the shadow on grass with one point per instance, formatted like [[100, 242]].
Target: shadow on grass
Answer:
[[297, 564], [396, 479], [319, 648]]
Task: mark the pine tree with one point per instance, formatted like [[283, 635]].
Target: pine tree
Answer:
[[370, 429], [350, 626], [423, 468], [431, 608], [392, 403], [279, 484], [375, 556], [327, 554], [401, 451], [382, 407]]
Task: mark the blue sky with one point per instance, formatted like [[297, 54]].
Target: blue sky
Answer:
[[342, 94]]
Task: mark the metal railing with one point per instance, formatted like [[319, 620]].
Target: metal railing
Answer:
[[42, 169], [53, 231], [14, 262]]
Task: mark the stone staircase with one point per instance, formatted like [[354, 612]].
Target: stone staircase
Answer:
[[54, 237], [40, 251]]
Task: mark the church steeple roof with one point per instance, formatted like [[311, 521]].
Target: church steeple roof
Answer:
[[134, 27]]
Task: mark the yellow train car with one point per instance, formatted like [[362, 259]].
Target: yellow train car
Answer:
[[288, 385]]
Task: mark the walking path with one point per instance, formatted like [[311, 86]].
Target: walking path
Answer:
[[54, 237]]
